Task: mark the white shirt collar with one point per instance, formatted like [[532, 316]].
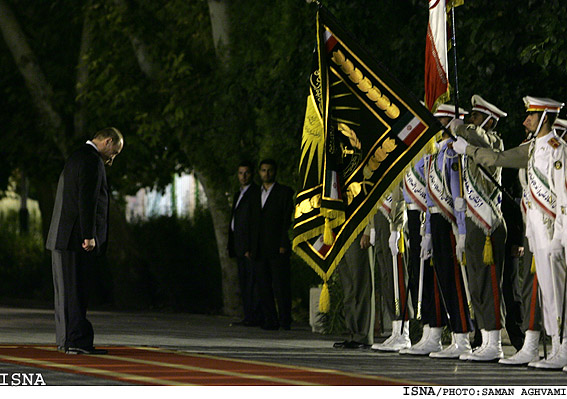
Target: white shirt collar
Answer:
[[93, 144]]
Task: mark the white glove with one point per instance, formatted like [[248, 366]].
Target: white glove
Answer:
[[460, 146], [454, 125], [460, 248], [393, 241], [556, 251], [425, 247], [460, 204]]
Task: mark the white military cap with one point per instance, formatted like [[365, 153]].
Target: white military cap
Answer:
[[559, 130], [536, 104], [560, 124], [448, 110], [481, 105]]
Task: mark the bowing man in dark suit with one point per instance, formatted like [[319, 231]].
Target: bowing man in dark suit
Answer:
[[271, 248], [239, 243], [78, 234]]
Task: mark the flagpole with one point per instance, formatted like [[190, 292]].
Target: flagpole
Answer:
[[454, 44]]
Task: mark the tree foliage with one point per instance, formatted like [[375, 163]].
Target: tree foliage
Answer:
[[190, 110]]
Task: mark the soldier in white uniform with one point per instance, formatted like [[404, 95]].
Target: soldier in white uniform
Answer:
[[558, 245]]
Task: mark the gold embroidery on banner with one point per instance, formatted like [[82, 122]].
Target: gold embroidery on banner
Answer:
[[308, 205], [378, 157], [365, 85]]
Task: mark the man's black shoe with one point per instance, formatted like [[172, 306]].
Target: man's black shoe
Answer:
[[340, 345], [86, 351], [355, 345]]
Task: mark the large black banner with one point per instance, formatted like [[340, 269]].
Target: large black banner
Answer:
[[362, 130]]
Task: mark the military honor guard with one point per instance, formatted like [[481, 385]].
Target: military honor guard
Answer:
[[423, 280], [559, 181], [486, 230], [539, 204], [445, 233], [392, 273]]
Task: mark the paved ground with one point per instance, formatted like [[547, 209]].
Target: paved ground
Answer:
[[213, 335]]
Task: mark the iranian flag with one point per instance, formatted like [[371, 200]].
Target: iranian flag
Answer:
[[411, 130], [436, 64]]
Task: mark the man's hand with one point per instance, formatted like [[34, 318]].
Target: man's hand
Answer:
[[454, 125], [89, 244], [460, 146], [556, 250], [516, 251], [365, 241], [425, 247]]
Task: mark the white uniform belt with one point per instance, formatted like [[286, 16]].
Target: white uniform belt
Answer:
[[413, 207], [434, 209]]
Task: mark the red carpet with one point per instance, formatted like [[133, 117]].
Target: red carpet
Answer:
[[152, 366]]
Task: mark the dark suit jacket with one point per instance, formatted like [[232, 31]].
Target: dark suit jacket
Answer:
[[271, 223], [81, 203], [239, 239]]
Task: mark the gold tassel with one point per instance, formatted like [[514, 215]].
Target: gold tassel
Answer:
[[487, 252], [464, 261], [401, 242], [533, 270], [324, 299], [328, 233]]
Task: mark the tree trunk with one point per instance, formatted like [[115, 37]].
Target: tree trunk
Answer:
[[216, 199], [220, 213], [83, 74], [147, 64], [40, 90], [218, 11]]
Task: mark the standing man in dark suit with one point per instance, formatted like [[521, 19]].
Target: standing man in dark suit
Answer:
[[78, 234], [239, 243], [271, 248]]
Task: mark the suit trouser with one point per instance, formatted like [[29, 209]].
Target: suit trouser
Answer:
[[485, 281], [274, 281], [248, 290], [384, 271], [70, 284], [449, 274], [356, 280]]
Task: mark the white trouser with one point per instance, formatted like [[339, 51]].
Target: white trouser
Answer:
[[540, 245], [560, 294]]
